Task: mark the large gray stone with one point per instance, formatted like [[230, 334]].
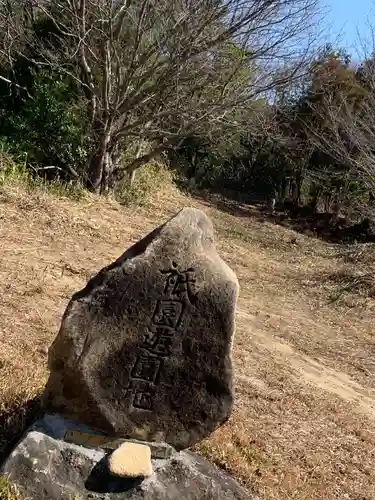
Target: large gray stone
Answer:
[[45, 468], [144, 350]]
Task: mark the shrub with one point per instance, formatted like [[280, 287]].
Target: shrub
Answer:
[[149, 179], [13, 170], [47, 124]]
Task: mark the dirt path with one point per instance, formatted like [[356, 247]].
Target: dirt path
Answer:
[[310, 370]]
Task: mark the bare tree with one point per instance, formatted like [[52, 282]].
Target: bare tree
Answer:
[[161, 70], [340, 120], [348, 135]]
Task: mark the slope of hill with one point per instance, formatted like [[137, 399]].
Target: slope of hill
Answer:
[[304, 420]]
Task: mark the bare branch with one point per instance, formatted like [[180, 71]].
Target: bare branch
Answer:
[[164, 69]]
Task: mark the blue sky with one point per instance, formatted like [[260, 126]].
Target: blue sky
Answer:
[[346, 16]]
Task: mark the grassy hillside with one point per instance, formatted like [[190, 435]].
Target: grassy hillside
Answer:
[[304, 420]]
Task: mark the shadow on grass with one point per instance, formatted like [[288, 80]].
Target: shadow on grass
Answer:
[[245, 207], [14, 419], [302, 220]]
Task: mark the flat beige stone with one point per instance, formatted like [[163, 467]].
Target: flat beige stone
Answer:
[[131, 460]]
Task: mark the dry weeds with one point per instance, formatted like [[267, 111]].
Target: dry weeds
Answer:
[[8, 491], [303, 426]]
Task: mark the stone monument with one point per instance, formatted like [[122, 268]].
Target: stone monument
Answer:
[[140, 370], [144, 350]]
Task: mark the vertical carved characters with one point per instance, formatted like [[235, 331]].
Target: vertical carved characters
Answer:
[[157, 341]]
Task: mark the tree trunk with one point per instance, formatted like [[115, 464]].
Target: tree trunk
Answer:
[[299, 181], [132, 177], [285, 183], [98, 165], [107, 168], [315, 199], [131, 172]]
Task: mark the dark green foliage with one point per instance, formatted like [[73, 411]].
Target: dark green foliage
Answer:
[[45, 121], [42, 117], [256, 166], [200, 160]]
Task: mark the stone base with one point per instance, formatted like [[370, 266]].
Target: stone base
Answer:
[[44, 466]]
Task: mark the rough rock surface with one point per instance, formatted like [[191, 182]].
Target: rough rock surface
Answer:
[[144, 350], [44, 468], [130, 460]]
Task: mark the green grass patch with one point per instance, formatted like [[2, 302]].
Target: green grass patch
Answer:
[[13, 171]]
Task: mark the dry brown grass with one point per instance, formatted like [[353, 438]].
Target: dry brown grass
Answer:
[[304, 420]]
